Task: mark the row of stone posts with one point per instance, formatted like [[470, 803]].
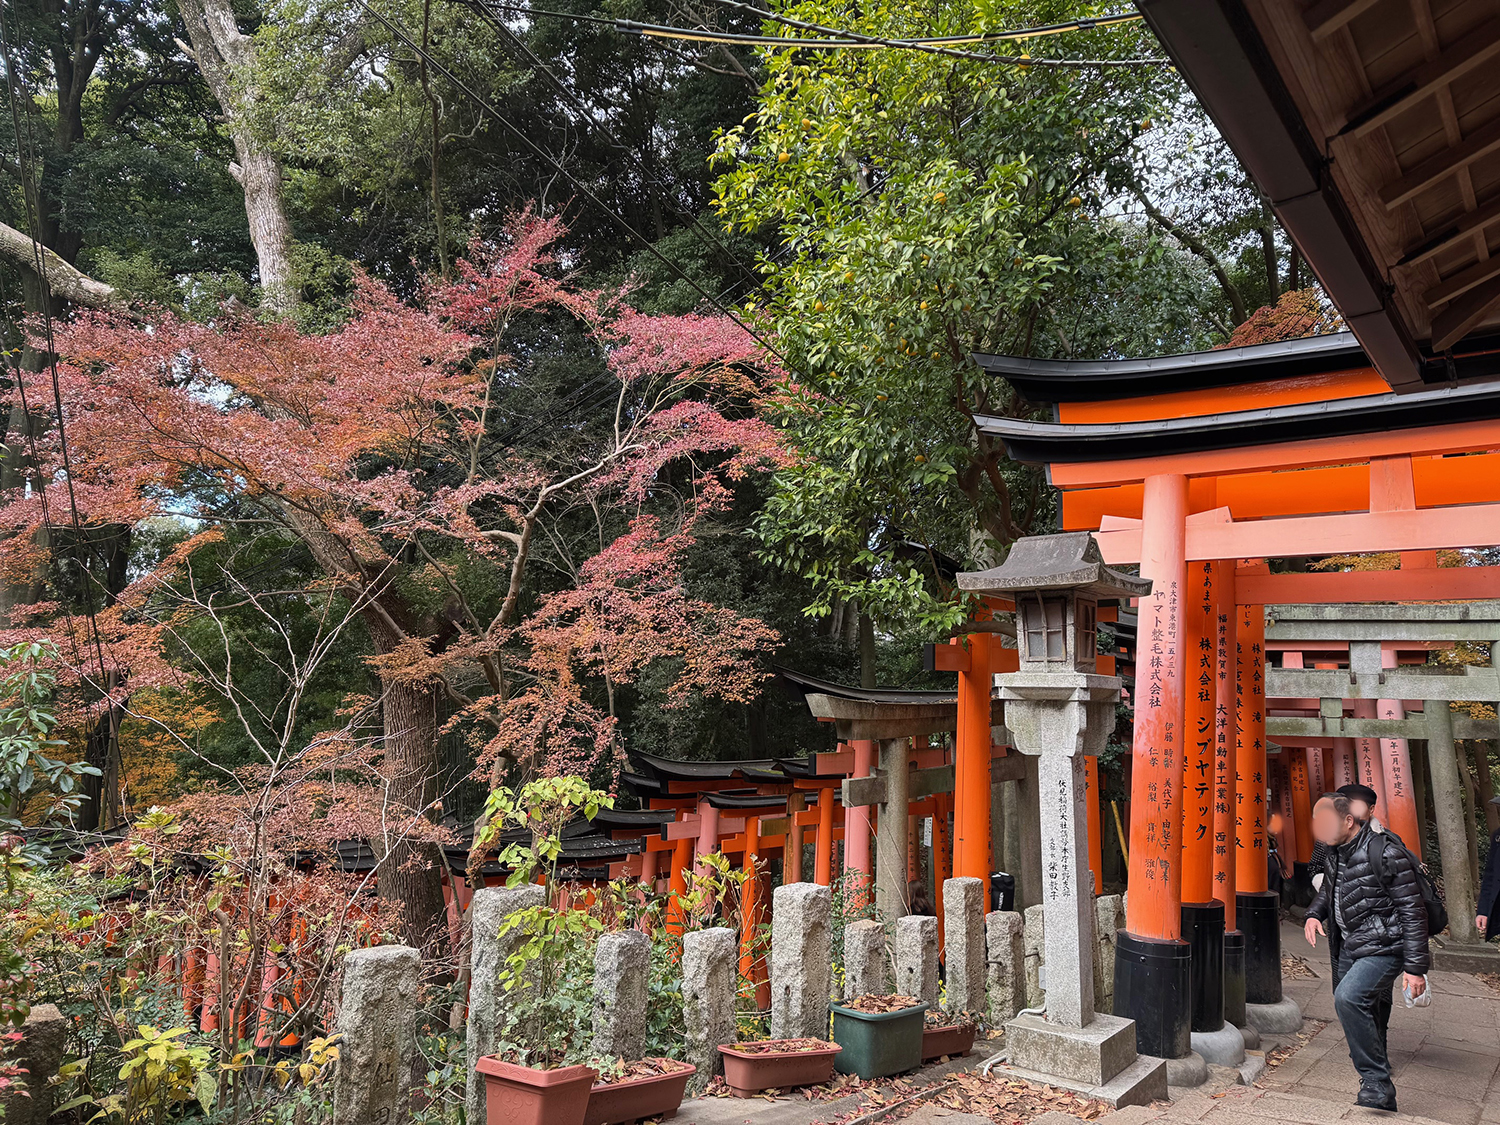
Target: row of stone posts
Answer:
[[992, 962]]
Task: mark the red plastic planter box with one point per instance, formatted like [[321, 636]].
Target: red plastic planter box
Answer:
[[522, 1095], [656, 1095], [954, 1040], [747, 1074]]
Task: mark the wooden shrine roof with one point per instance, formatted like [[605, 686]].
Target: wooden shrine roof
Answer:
[[672, 769], [1373, 126], [1073, 442], [1066, 380]]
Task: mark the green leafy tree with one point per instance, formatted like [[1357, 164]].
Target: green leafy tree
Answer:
[[33, 782], [927, 206]]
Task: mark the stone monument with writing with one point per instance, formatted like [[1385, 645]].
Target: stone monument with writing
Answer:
[[1059, 709]]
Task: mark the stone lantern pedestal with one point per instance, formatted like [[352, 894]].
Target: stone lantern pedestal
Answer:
[[1060, 710]]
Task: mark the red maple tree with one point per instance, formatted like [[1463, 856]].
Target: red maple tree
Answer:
[[376, 446]]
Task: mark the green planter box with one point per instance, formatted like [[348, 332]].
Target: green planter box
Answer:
[[876, 1045]]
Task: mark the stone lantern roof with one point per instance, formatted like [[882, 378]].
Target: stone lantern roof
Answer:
[[1066, 560]]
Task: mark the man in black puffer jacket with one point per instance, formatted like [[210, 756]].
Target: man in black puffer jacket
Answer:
[[1379, 928]]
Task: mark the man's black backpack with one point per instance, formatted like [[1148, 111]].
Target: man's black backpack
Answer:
[[1437, 913]]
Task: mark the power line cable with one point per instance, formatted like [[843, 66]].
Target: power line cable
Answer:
[[561, 169], [572, 96]]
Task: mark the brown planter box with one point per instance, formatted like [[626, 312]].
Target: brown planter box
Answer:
[[954, 1041], [656, 1095], [747, 1074], [522, 1095]]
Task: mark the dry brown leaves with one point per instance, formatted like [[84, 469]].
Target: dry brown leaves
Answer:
[[1007, 1101], [1296, 968], [1490, 979], [1279, 1055], [873, 1005], [782, 1046], [640, 1068]]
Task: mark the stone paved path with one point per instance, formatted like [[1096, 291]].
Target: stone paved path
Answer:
[[1444, 1057]]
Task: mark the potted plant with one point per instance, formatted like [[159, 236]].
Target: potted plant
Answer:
[[947, 1036], [633, 1091], [538, 1076], [880, 1035], [777, 1064]]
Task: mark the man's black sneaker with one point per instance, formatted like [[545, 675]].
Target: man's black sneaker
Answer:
[[1372, 1098]]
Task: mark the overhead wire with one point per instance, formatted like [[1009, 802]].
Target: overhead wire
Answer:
[[832, 38], [572, 96], [561, 169]]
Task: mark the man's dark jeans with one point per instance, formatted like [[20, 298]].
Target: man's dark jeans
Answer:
[[1362, 998]]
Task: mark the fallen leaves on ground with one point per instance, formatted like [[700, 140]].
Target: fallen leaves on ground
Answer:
[[1296, 968], [872, 1005], [1491, 979], [1278, 1055]]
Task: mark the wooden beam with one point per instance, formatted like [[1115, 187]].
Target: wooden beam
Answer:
[[1480, 143], [1424, 80], [1327, 16], [1477, 525], [1464, 315], [923, 783], [1420, 441], [1461, 230], [1461, 282], [1440, 584]]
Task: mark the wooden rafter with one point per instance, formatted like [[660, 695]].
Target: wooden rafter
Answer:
[[1328, 16], [1480, 143], [1462, 228], [1465, 314], [1424, 80], [1456, 285]]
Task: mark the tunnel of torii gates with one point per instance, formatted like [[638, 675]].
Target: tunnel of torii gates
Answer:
[[1204, 469]]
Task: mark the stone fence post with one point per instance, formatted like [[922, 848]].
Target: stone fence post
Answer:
[[864, 959], [622, 978], [378, 1036], [917, 958], [488, 951], [801, 961], [710, 959], [963, 917], [1006, 951]]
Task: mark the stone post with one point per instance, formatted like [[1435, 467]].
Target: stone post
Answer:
[[864, 959], [891, 828], [1070, 907], [1006, 950], [378, 1029], [1109, 920], [44, 1038], [1034, 943], [708, 980], [488, 951], [1447, 802], [917, 958], [801, 960], [622, 976], [963, 925]]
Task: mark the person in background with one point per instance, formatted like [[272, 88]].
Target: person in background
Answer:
[[1489, 886], [1378, 928], [918, 900]]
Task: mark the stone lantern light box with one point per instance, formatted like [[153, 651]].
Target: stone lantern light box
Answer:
[[1057, 582]]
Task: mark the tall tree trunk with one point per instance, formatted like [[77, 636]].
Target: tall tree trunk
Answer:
[[227, 59], [1486, 781], [411, 873]]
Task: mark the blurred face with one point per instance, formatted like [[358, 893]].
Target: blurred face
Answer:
[[1360, 810], [1327, 826]]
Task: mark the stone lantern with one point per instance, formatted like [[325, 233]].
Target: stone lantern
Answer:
[[1059, 709]]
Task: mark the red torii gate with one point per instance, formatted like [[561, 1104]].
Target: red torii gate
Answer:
[[1289, 449]]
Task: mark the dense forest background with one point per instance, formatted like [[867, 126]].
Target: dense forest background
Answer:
[[1050, 210]]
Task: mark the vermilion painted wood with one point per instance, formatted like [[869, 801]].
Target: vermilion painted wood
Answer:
[[1225, 852], [1297, 776], [1395, 761], [1367, 761], [1250, 750], [1225, 400], [1461, 437], [1154, 905], [1199, 701], [857, 818], [971, 767], [823, 849]]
